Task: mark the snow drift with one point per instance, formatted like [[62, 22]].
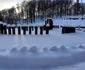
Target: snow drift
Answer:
[[51, 58]]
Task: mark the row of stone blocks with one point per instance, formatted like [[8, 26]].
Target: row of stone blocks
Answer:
[[12, 29], [68, 30]]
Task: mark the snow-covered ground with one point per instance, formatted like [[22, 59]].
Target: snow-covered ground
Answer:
[[46, 58], [55, 51], [42, 51], [55, 38]]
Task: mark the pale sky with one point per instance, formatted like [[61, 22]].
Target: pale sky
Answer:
[[9, 3]]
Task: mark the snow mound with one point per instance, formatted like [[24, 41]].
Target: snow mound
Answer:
[[45, 60], [45, 49], [24, 50], [63, 49], [14, 50], [54, 49], [33, 49], [81, 46]]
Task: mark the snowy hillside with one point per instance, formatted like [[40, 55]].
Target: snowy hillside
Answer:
[[49, 52]]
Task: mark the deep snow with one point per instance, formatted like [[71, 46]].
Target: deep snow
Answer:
[[48, 52], [24, 59], [39, 52]]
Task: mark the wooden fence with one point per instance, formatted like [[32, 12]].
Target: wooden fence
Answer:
[[4, 29]]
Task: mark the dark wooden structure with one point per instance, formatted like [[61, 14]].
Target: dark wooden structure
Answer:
[[36, 30], [48, 24], [13, 30], [66, 29], [1, 28], [4, 29]]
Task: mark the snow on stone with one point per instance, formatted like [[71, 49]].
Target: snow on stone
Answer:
[[54, 49], [81, 46], [45, 49], [63, 49], [33, 49], [23, 50], [14, 50]]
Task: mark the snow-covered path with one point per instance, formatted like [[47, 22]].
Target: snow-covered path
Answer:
[[55, 38]]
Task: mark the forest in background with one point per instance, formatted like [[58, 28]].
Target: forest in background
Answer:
[[29, 11]]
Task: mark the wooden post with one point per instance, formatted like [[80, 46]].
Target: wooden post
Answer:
[[41, 30], [13, 30], [1, 28], [36, 30], [19, 30], [5, 29], [9, 30], [24, 30], [47, 30], [30, 30]]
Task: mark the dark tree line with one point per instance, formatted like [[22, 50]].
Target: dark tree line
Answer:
[[1, 17], [28, 11], [44, 8]]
